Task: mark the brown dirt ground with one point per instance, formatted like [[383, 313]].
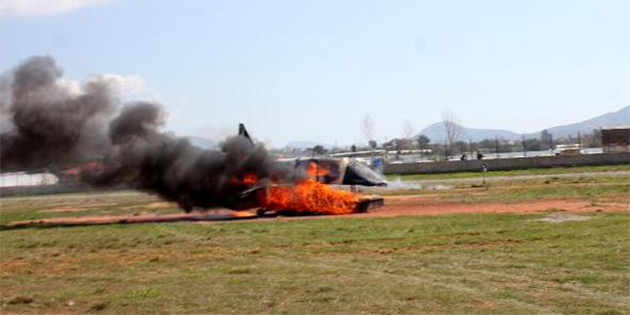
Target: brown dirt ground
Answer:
[[394, 206], [153, 205], [73, 208], [422, 205]]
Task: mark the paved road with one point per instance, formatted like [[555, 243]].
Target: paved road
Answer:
[[453, 181]]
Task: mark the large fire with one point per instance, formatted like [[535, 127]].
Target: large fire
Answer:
[[315, 170], [248, 179], [309, 196]]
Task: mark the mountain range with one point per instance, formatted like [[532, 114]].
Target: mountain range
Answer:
[[436, 132], [306, 144]]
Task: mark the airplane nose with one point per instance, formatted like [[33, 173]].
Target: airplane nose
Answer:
[[360, 174]]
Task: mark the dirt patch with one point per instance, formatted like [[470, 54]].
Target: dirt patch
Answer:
[[210, 215], [71, 208], [563, 217], [419, 205], [64, 209], [153, 205], [394, 206]]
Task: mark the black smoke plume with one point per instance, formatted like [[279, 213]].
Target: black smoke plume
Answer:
[[46, 125]]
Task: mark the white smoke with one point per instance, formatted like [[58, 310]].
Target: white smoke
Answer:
[[31, 8], [127, 87], [124, 87]]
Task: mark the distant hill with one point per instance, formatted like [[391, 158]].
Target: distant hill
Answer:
[[618, 118], [306, 144], [436, 133]]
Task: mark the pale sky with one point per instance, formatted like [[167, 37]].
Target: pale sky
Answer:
[[312, 70]]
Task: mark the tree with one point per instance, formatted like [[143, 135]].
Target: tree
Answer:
[[462, 146], [423, 140], [451, 127], [595, 138], [407, 131], [546, 140], [405, 144], [373, 144], [533, 144], [368, 128], [319, 150], [487, 144]]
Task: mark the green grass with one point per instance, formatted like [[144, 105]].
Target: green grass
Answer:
[[538, 193], [80, 204], [591, 188], [449, 264], [534, 171]]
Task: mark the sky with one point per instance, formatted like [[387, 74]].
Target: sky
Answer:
[[313, 70]]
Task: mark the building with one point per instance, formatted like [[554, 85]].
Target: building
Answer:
[[616, 139]]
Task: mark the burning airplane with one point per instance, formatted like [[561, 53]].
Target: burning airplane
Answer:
[[46, 124], [308, 190]]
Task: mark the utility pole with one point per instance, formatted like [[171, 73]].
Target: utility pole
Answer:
[[523, 143]]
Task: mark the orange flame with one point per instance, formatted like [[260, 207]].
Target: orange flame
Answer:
[[249, 179], [309, 196], [317, 170], [243, 214]]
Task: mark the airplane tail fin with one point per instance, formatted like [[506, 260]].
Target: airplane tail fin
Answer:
[[243, 132]]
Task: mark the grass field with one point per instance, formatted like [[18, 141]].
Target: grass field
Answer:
[[441, 264], [525, 172], [81, 204], [526, 189]]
